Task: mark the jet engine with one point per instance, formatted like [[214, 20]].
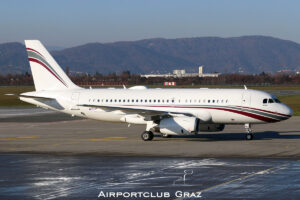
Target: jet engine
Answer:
[[178, 126]]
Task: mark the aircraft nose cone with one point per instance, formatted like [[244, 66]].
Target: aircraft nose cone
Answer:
[[288, 111]]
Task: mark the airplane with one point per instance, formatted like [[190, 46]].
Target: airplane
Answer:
[[166, 111]]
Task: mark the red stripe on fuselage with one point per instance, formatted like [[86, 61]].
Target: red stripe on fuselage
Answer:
[[39, 62], [255, 116], [276, 113]]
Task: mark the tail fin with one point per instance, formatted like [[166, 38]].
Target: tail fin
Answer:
[[47, 74]]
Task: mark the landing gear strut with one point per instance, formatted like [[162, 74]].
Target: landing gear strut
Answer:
[[147, 135], [249, 134]]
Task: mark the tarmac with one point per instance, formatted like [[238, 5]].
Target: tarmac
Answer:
[[45, 177], [52, 133], [46, 155]]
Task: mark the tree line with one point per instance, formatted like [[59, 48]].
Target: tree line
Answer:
[[127, 78]]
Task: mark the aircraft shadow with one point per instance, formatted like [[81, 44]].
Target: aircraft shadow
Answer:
[[266, 135]]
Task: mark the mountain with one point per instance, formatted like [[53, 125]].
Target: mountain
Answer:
[[13, 58], [251, 54]]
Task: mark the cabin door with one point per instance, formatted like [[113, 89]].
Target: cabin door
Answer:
[[75, 100]]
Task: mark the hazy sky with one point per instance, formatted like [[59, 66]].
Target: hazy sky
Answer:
[[73, 22]]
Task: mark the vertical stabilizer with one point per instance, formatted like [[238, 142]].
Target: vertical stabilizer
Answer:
[[47, 74]]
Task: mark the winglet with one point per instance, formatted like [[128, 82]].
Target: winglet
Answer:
[[245, 87]]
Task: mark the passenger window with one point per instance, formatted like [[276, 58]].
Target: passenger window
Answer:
[[172, 101], [141, 100], [146, 100], [124, 100], [158, 101], [271, 101], [213, 101], [115, 100], [132, 100], [150, 100], [167, 100], [208, 101], [137, 100], [265, 101], [154, 100]]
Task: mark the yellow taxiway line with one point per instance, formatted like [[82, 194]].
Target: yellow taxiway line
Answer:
[[107, 138], [16, 138]]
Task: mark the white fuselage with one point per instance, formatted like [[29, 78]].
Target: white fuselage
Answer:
[[220, 106]]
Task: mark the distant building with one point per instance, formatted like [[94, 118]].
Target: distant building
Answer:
[[170, 83], [179, 73]]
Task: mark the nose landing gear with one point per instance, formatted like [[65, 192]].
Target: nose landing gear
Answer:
[[249, 134]]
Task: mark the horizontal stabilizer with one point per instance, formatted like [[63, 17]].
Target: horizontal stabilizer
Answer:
[[30, 96]]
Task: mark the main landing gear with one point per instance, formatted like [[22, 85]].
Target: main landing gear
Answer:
[[249, 134], [147, 135]]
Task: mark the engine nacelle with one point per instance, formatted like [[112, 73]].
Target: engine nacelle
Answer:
[[179, 125], [211, 127]]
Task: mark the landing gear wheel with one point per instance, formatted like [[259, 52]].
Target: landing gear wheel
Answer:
[[249, 136], [147, 135], [165, 135]]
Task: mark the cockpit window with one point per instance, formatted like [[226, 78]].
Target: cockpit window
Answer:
[[265, 101], [271, 101]]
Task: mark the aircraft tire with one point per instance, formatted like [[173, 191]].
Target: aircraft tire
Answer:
[[147, 136], [249, 136]]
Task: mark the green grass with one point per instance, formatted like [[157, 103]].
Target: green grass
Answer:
[[8, 101], [294, 87], [293, 101]]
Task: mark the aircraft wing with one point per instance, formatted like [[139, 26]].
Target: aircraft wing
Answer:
[[152, 113]]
